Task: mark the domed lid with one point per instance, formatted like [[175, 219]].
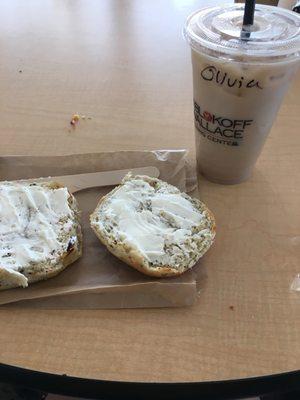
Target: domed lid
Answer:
[[275, 32]]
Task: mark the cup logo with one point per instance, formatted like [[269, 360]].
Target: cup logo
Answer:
[[220, 129]]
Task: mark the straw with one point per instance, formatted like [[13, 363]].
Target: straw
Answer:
[[248, 19]]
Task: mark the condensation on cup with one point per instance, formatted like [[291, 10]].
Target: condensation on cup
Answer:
[[238, 84]]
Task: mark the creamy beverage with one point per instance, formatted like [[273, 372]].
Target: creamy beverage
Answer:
[[238, 84]]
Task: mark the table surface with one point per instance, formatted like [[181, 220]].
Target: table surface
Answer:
[[129, 70]]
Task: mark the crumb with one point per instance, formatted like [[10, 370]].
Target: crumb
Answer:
[[74, 119], [231, 308]]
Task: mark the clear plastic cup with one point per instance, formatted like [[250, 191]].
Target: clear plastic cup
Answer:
[[239, 84]]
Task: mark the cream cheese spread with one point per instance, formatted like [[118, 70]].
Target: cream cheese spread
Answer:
[[159, 223], [35, 224]]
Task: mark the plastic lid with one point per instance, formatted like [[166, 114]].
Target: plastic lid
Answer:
[[275, 32]]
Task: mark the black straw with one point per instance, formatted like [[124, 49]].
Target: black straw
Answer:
[[248, 19], [249, 12]]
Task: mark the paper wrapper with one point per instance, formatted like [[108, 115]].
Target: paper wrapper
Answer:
[[98, 279]]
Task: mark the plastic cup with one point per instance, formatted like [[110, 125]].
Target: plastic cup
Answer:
[[238, 84]]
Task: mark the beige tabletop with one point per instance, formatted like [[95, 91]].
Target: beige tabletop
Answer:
[[125, 65]]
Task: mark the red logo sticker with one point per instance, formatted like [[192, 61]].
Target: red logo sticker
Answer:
[[207, 115]]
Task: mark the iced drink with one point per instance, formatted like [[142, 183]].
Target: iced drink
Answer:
[[238, 84]]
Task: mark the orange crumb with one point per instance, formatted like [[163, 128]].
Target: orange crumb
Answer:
[[74, 119]]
